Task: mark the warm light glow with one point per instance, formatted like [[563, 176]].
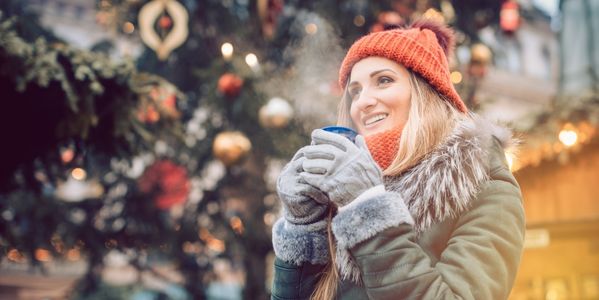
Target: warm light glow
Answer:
[[192, 248], [434, 14], [67, 155], [252, 60], [73, 255], [510, 159], [128, 27], [237, 225], [456, 77], [227, 50], [78, 174], [359, 20], [212, 242], [43, 255], [311, 28], [269, 219], [15, 255], [568, 137]]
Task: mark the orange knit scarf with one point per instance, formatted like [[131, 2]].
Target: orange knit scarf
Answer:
[[384, 145]]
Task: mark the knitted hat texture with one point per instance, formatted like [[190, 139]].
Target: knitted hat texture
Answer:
[[422, 48]]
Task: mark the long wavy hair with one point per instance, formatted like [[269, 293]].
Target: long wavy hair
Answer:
[[430, 120]]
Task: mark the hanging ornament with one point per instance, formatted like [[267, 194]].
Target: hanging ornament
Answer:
[[509, 17], [160, 101], [269, 11], [480, 57], [275, 114], [165, 22], [387, 19], [167, 182], [77, 188], [230, 147], [163, 44], [230, 85]]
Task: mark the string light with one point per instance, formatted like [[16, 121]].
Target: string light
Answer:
[[456, 77], [311, 28], [568, 136], [43, 255], [227, 51], [79, 174], [252, 61], [128, 27], [434, 14], [359, 20]]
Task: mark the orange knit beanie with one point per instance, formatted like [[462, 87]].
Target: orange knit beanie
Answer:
[[422, 48]]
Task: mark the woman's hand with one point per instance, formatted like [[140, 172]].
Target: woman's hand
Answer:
[[303, 203], [338, 167]]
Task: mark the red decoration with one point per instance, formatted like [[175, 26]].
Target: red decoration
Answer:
[[385, 19], [269, 11], [158, 102], [230, 84], [165, 22], [509, 17], [167, 181], [148, 114]]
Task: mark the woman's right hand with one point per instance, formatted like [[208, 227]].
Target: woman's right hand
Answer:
[[303, 203]]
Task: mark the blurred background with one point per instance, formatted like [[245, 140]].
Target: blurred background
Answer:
[[141, 139]]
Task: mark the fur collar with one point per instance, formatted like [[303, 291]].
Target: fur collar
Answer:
[[445, 182]]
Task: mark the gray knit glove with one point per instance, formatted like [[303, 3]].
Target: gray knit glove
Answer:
[[300, 236], [340, 168], [303, 203]]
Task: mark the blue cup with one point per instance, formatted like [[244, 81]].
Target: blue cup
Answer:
[[344, 131]]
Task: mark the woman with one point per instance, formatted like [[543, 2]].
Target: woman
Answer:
[[421, 206]]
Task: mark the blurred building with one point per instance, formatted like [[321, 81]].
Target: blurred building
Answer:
[[550, 68]]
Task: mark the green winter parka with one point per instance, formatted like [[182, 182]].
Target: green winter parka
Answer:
[[462, 239]]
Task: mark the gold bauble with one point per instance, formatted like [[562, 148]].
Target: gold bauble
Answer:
[[480, 53], [275, 114], [230, 147]]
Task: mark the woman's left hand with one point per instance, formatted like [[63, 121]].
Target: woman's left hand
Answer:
[[340, 168]]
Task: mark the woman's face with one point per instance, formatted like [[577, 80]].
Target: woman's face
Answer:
[[380, 93]]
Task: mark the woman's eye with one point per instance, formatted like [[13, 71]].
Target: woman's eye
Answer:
[[353, 93], [385, 80]]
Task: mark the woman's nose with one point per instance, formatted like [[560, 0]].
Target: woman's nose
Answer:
[[366, 100]]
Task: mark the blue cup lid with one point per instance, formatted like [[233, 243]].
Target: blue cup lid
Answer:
[[345, 131]]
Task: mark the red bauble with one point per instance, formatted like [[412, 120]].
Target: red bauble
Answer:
[[230, 84], [165, 22], [167, 182], [509, 17], [385, 19]]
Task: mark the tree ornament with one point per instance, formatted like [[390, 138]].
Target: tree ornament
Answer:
[[76, 190], [509, 17], [275, 114], [269, 11], [480, 57], [160, 101], [387, 19], [230, 85], [230, 147], [165, 22], [150, 12], [480, 53], [167, 182]]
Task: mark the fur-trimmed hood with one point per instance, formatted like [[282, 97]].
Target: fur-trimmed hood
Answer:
[[444, 183]]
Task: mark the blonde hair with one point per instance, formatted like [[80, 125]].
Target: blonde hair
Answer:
[[430, 120]]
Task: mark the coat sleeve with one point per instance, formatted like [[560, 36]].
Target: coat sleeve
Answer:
[[480, 260], [294, 282]]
